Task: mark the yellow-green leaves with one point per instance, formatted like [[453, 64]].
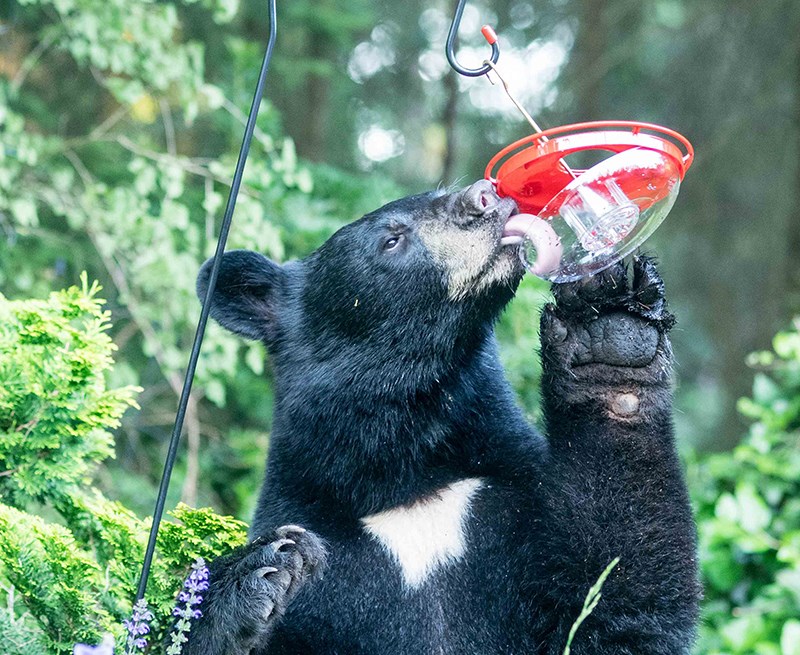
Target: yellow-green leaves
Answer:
[[55, 409]]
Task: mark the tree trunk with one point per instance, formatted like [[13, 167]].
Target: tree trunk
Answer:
[[588, 63], [311, 133], [449, 120], [793, 240]]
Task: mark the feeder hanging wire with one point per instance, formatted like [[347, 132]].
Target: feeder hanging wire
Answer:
[[201, 324], [490, 65]]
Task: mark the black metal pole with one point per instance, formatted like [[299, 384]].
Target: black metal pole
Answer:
[[183, 403]]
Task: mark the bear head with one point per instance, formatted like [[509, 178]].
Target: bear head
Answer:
[[403, 293]]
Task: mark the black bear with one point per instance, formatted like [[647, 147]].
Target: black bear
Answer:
[[409, 508]]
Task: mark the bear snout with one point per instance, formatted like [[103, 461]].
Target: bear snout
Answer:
[[480, 200], [480, 197]]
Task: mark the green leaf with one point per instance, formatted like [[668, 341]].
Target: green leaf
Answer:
[[215, 392], [790, 638], [754, 514], [592, 599], [24, 212]]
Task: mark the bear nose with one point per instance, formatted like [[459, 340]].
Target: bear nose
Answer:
[[480, 197]]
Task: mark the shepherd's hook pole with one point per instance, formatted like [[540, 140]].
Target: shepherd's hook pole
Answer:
[[172, 452]]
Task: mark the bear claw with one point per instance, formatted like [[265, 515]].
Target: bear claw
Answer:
[[286, 529], [258, 580], [610, 289], [280, 543]]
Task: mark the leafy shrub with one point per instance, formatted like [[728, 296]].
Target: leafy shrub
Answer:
[[748, 511], [69, 557]]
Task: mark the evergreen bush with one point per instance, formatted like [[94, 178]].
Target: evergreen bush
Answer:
[[69, 557]]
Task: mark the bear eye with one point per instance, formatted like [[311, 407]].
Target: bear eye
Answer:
[[392, 242]]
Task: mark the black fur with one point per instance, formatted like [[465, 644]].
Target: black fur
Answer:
[[388, 389]]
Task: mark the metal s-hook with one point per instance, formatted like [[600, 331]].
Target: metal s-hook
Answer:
[[488, 33]]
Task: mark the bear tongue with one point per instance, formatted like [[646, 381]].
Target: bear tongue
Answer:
[[516, 228]]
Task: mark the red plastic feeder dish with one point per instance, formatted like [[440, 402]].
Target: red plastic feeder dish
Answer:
[[576, 222]]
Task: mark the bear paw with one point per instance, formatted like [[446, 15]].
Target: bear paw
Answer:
[[605, 331], [251, 588]]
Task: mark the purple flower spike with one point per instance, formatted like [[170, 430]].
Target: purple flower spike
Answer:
[[105, 648], [186, 610], [137, 626]]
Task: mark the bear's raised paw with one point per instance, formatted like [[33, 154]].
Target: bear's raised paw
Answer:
[[605, 330]]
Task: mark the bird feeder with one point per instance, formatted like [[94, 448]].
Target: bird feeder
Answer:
[[576, 222]]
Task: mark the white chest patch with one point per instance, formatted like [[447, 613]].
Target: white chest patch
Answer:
[[427, 534]]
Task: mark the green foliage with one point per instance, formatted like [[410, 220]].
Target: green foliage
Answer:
[[125, 43], [69, 557], [748, 511], [20, 635], [518, 335], [55, 411], [58, 583]]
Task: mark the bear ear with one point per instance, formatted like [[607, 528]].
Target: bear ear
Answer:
[[246, 293]]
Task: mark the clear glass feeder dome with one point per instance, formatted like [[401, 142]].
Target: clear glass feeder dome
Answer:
[[600, 217]]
